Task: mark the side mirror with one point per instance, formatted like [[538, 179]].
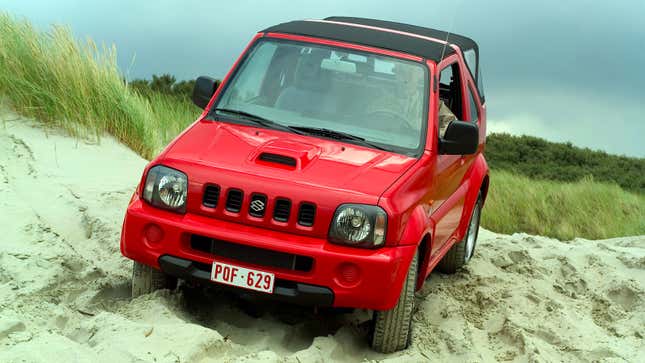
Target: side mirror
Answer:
[[461, 138], [204, 89]]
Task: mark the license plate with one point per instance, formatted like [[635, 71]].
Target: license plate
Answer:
[[242, 277]]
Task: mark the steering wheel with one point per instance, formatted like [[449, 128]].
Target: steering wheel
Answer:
[[390, 118]]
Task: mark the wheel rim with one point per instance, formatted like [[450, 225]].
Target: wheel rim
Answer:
[[472, 233]]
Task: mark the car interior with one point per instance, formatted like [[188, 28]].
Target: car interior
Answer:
[[450, 89]]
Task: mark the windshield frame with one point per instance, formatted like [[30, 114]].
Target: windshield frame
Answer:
[[212, 115]]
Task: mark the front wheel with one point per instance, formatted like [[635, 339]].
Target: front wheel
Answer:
[[146, 279], [392, 329], [461, 252]]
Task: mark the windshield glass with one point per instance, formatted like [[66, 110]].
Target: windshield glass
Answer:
[[377, 98]]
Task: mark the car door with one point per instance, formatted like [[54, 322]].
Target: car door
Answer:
[[448, 189]]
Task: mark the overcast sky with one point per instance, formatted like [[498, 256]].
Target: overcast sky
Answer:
[[564, 70]]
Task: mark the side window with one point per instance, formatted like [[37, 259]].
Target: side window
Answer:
[[475, 70], [480, 84], [450, 89], [474, 111], [450, 97], [471, 61]]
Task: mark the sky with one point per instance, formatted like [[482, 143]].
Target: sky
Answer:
[[563, 70]]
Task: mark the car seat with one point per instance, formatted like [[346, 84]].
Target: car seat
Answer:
[[309, 92]]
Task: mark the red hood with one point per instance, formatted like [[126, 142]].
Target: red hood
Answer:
[[319, 162]]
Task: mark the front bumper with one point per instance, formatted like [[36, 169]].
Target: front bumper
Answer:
[[302, 294], [340, 276]]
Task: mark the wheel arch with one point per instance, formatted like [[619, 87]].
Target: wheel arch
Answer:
[[424, 249], [478, 180], [418, 231], [484, 187]]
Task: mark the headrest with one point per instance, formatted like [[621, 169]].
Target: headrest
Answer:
[[309, 74]]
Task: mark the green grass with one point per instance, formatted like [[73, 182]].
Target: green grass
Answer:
[[563, 210], [77, 86]]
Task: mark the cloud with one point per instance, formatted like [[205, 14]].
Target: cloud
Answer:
[[589, 119], [524, 124]]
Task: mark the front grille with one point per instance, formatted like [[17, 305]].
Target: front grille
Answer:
[[306, 214], [234, 200], [249, 254], [282, 210], [258, 205], [211, 196]]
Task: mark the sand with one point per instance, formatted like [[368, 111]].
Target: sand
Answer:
[[64, 286]]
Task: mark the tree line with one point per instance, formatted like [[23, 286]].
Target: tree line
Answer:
[[165, 84], [539, 158]]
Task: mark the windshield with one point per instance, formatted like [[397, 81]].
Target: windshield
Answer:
[[379, 99]]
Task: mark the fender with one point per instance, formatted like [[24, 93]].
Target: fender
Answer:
[[477, 174], [418, 231], [418, 225]]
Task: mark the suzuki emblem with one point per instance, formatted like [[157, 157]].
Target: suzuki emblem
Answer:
[[257, 205]]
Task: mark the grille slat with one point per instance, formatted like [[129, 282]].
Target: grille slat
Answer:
[[234, 200], [257, 203], [282, 210], [306, 214], [211, 196]]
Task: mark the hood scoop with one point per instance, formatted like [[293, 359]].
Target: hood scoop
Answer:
[[278, 159], [285, 154]]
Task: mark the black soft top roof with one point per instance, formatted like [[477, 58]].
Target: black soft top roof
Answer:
[[463, 42], [376, 38], [371, 37]]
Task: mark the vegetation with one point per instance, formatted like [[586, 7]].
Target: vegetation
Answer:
[[165, 84], [538, 158], [563, 210], [77, 86]]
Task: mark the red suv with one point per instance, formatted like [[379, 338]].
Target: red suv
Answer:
[[339, 162]]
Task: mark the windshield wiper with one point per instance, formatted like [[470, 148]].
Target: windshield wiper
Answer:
[[257, 119], [338, 135], [332, 134]]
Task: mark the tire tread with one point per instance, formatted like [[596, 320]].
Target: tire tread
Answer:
[[146, 279]]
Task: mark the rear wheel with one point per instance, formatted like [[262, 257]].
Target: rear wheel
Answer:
[[392, 329], [146, 279], [460, 253]]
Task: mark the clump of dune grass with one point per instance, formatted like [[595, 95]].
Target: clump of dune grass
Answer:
[[561, 210], [77, 86]]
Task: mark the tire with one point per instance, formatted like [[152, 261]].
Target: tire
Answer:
[[460, 253], [392, 329], [146, 279]]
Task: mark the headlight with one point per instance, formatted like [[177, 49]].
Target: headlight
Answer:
[[166, 188], [359, 225]]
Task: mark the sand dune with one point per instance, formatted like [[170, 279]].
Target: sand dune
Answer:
[[64, 293]]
